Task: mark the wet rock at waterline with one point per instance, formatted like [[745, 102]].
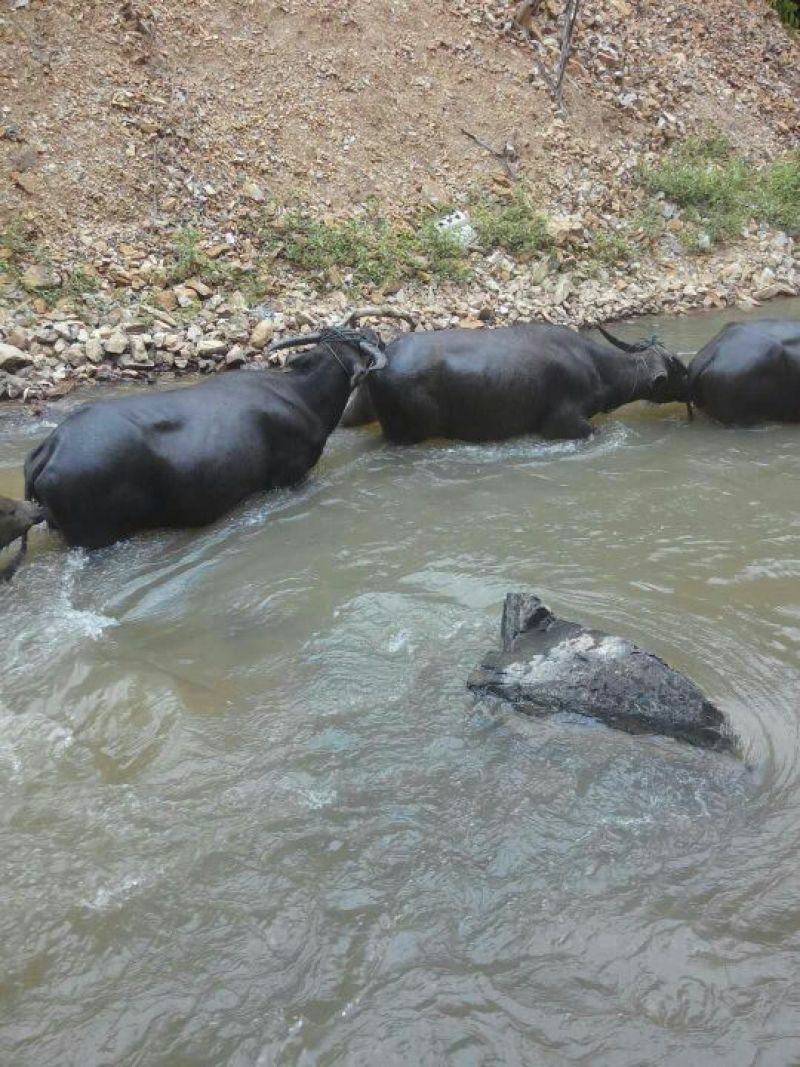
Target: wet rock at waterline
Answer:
[[550, 665]]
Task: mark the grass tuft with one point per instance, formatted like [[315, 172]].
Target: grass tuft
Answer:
[[377, 251], [718, 191], [513, 225], [374, 250]]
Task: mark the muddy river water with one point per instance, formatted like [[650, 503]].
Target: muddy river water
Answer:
[[249, 814]]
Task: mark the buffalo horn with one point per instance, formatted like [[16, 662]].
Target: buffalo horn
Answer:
[[624, 345], [378, 313], [378, 357], [294, 342]]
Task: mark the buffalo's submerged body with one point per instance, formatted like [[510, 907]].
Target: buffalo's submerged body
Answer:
[[549, 665], [490, 384], [749, 373], [184, 457]]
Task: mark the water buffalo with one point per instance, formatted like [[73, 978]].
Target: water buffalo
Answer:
[[483, 385], [186, 456], [549, 665], [749, 373], [16, 518]]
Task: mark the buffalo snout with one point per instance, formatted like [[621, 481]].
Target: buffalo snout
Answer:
[[671, 381]]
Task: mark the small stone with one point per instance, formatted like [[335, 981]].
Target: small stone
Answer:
[[75, 355], [235, 358], [116, 344], [63, 329], [199, 287], [539, 272], [263, 333], [253, 191], [165, 299], [138, 349], [769, 292], [211, 346], [13, 359], [563, 289], [19, 340], [185, 296], [94, 350], [38, 277], [159, 315]]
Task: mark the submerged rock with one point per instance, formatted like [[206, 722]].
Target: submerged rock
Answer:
[[550, 665]]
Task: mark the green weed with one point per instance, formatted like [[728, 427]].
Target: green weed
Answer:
[[779, 193], [718, 192], [374, 250], [80, 282], [611, 248], [186, 259], [513, 225]]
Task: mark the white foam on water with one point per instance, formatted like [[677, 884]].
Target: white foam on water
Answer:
[[81, 621], [533, 449], [316, 799], [116, 894]]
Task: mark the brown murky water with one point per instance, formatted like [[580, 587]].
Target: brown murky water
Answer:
[[249, 815]]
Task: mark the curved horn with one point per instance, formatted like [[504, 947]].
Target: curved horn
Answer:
[[378, 313], [624, 345], [294, 342], [378, 358]]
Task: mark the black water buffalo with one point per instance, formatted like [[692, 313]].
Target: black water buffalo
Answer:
[[749, 373], [16, 518], [186, 456], [483, 385], [549, 665]]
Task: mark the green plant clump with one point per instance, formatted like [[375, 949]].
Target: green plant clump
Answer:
[[511, 225], [779, 193], [378, 251], [374, 250], [187, 260], [718, 192], [789, 11]]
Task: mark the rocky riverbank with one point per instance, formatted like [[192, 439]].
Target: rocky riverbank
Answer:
[[146, 223], [126, 331]]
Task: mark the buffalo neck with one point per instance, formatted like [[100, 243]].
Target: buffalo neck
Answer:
[[325, 385], [625, 376]]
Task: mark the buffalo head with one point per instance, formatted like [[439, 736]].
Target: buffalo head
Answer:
[[358, 352], [666, 376]]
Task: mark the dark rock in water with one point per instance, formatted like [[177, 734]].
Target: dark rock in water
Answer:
[[549, 665]]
